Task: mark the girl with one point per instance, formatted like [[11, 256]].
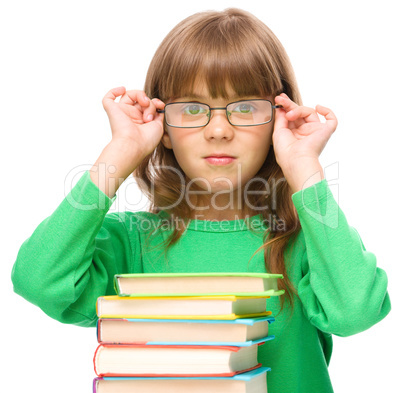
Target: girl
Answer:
[[228, 156]]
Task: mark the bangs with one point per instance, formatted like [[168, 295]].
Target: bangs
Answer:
[[222, 53]]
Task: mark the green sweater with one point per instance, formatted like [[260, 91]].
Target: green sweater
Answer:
[[72, 256]]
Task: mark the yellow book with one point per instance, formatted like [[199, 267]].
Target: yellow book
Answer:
[[194, 307]]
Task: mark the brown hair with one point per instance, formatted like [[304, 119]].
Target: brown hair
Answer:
[[233, 48]]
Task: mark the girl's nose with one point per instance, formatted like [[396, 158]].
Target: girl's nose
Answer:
[[218, 126]]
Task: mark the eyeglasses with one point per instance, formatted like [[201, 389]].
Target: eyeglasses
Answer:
[[239, 113]]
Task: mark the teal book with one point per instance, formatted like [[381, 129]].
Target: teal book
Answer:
[[238, 332]]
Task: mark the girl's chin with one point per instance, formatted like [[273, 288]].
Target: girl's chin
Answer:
[[213, 185]]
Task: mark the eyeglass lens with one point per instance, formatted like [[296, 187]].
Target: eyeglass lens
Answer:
[[241, 113]]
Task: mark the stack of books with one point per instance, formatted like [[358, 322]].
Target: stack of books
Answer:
[[184, 333]]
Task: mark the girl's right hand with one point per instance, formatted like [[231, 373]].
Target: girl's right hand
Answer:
[[134, 120]]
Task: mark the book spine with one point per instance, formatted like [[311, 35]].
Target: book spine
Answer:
[[95, 359], [116, 285], [98, 327], [95, 384], [97, 306]]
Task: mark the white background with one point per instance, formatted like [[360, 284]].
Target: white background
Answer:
[[58, 61]]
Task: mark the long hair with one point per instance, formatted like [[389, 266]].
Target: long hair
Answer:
[[228, 48]]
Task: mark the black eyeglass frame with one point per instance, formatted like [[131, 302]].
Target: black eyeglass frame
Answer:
[[219, 108]]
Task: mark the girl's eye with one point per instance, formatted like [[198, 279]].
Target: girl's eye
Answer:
[[244, 108], [194, 109]]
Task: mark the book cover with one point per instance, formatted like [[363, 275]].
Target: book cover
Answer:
[[196, 307], [216, 384], [197, 284], [172, 360], [238, 332]]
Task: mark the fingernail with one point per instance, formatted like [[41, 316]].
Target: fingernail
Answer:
[[290, 113], [146, 98], [150, 117]]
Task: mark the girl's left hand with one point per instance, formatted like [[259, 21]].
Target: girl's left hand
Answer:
[[299, 136]]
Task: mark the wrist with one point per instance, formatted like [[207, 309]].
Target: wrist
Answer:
[[303, 174], [116, 162]]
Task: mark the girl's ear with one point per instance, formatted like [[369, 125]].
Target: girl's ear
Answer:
[[166, 140]]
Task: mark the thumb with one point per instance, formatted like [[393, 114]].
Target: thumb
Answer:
[[281, 136], [280, 119], [159, 105]]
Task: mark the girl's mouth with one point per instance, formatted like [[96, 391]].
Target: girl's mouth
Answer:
[[219, 160]]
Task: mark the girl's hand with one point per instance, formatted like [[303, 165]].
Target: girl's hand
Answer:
[[299, 134], [136, 131], [134, 120], [299, 138]]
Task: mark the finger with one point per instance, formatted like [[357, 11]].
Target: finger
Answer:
[[111, 95], [280, 119], [303, 112], [135, 96], [286, 102], [149, 112], [136, 113], [331, 120], [158, 103], [281, 129]]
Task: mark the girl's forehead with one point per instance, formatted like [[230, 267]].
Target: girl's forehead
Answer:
[[200, 89], [200, 92]]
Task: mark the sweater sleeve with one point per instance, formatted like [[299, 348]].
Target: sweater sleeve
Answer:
[[72, 256], [342, 290]]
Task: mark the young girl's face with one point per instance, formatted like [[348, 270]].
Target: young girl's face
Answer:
[[248, 145]]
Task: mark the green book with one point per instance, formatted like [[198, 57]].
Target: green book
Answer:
[[197, 284]]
